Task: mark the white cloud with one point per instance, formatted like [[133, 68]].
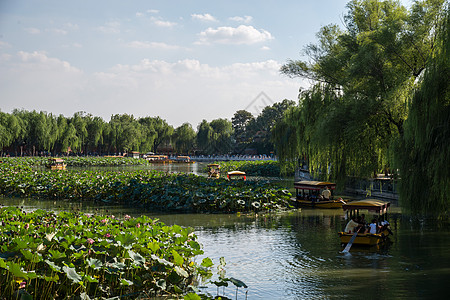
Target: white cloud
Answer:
[[265, 48], [151, 45], [73, 45], [162, 23], [139, 14], [153, 11], [204, 17], [70, 26], [40, 60], [34, 80], [32, 30], [58, 31], [4, 45], [234, 35], [244, 19], [110, 27]]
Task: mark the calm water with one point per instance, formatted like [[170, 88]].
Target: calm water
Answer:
[[296, 255]]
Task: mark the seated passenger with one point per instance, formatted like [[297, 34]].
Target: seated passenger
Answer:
[[373, 227], [351, 225], [326, 194], [384, 225]]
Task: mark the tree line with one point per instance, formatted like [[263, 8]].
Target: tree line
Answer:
[[379, 102], [25, 132]]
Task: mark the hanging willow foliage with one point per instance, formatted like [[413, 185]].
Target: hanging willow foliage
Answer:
[[423, 155], [333, 134]]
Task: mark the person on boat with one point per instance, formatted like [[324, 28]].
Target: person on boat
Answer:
[[326, 194], [384, 225], [351, 225], [373, 227], [363, 219], [361, 225]]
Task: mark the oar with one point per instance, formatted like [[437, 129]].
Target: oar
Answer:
[[349, 245]]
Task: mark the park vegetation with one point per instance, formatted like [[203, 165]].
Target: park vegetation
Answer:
[[72, 255], [31, 133], [149, 190], [379, 102]]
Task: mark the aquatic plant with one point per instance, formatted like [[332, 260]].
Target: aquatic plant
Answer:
[[266, 168], [148, 189], [45, 255]]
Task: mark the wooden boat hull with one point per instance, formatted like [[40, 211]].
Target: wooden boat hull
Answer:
[[160, 161], [57, 167], [365, 239], [318, 204]]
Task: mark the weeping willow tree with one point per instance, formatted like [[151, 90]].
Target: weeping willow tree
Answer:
[[363, 79], [423, 154], [332, 135]]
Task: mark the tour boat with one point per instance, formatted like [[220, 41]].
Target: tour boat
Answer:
[[183, 159], [159, 159], [309, 194], [213, 170], [56, 164], [236, 175], [377, 209]]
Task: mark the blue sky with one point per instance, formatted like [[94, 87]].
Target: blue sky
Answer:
[[181, 60]]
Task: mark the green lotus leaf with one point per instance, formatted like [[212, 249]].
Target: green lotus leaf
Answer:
[[16, 270], [56, 254], [161, 260], [94, 263], [3, 264], [177, 258], [32, 257], [90, 279], [181, 272], [136, 257], [54, 278], [207, 262], [192, 296], [154, 246], [126, 239], [72, 274], [126, 282], [53, 266], [238, 283]]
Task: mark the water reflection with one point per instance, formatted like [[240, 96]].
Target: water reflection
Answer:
[[296, 255]]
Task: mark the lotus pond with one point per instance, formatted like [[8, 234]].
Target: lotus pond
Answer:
[[145, 188]]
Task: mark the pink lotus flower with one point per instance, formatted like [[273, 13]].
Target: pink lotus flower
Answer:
[[90, 241], [107, 235], [22, 285], [138, 225], [104, 221], [127, 217]]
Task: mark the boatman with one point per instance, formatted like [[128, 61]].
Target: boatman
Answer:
[[326, 193], [351, 225]]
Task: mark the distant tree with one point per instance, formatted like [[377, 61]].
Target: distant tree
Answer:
[[126, 133], [163, 132], [183, 138], [148, 134], [95, 126], [260, 128], [222, 136], [240, 121], [204, 137]]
